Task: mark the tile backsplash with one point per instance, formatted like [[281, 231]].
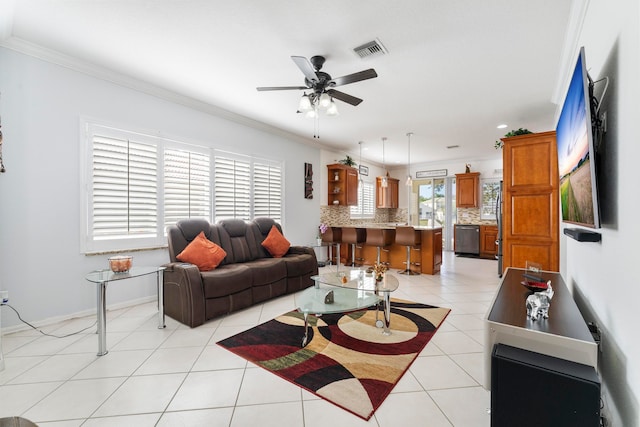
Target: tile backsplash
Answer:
[[341, 215], [472, 216]]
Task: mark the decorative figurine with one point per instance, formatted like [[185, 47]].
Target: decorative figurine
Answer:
[[539, 303], [328, 298]]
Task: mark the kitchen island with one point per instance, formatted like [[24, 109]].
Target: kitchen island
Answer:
[[426, 257]]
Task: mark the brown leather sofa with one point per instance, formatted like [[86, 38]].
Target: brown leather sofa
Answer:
[[246, 276]]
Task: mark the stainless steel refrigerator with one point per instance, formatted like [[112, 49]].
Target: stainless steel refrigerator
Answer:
[[499, 223]]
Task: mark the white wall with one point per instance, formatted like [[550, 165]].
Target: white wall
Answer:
[[604, 276], [41, 104]]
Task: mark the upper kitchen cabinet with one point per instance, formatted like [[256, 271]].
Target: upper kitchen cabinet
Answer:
[[468, 190], [343, 185], [387, 197]]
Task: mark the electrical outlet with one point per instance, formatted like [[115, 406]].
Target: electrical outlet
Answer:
[[4, 297]]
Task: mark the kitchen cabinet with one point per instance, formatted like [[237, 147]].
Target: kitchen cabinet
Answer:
[[468, 190], [387, 197], [343, 185], [488, 238], [530, 204]]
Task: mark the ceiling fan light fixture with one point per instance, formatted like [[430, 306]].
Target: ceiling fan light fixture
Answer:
[[332, 110], [325, 100], [311, 113], [305, 103]]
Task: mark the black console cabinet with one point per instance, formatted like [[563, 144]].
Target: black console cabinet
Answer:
[[532, 390], [544, 365]]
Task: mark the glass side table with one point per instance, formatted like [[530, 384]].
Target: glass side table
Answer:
[[102, 277]]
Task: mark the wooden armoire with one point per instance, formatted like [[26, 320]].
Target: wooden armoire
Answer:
[[530, 210]]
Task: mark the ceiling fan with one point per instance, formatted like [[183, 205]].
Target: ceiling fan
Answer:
[[321, 83]]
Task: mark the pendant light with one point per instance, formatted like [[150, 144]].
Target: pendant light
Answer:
[[409, 180], [360, 164], [385, 178]]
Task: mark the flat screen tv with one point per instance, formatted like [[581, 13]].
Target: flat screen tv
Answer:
[[576, 152]]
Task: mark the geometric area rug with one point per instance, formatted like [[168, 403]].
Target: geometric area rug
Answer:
[[347, 361]]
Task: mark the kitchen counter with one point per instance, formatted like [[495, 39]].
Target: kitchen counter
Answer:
[[385, 225], [427, 256]]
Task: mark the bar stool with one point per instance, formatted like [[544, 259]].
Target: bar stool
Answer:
[[409, 237], [333, 236], [353, 236], [380, 238]]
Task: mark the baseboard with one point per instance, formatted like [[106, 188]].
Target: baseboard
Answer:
[[84, 313]]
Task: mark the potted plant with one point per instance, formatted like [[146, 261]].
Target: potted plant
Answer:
[[520, 131], [348, 161], [322, 228]]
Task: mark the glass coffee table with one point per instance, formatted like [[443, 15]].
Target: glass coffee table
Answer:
[[344, 291]]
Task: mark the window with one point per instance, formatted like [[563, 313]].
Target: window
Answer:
[[121, 197], [490, 191], [187, 185], [267, 192], [137, 185], [232, 188], [247, 188], [366, 201]]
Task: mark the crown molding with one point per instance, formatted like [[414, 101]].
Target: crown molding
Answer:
[[102, 73], [569, 51]]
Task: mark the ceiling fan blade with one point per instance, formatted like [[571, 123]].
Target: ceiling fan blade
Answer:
[[305, 66], [344, 97], [262, 89], [355, 77]]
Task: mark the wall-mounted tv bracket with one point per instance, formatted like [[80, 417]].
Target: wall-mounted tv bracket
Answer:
[[598, 123]]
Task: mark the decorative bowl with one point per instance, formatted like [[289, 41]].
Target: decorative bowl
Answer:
[[120, 263], [534, 286]]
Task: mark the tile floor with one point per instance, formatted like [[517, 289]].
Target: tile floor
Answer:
[[180, 377]]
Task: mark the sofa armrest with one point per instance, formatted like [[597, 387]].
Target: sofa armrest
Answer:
[[184, 293], [301, 250]]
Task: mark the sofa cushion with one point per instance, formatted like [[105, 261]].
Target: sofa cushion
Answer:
[[300, 264], [226, 280], [267, 270], [183, 232], [203, 253], [238, 240], [276, 243]]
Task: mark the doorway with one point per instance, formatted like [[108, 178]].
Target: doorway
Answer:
[[437, 206]]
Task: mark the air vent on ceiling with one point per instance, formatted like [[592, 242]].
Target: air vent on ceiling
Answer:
[[373, 48]]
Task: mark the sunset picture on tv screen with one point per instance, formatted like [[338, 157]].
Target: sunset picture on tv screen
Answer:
[[572, 135]]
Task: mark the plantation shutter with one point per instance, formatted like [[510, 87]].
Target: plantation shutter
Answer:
[[124, 187], [267, 191], [232, 182], [366, 199], [187, 185]]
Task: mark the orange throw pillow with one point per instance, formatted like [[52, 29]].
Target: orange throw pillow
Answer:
[[203, 253], [276, 243]]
